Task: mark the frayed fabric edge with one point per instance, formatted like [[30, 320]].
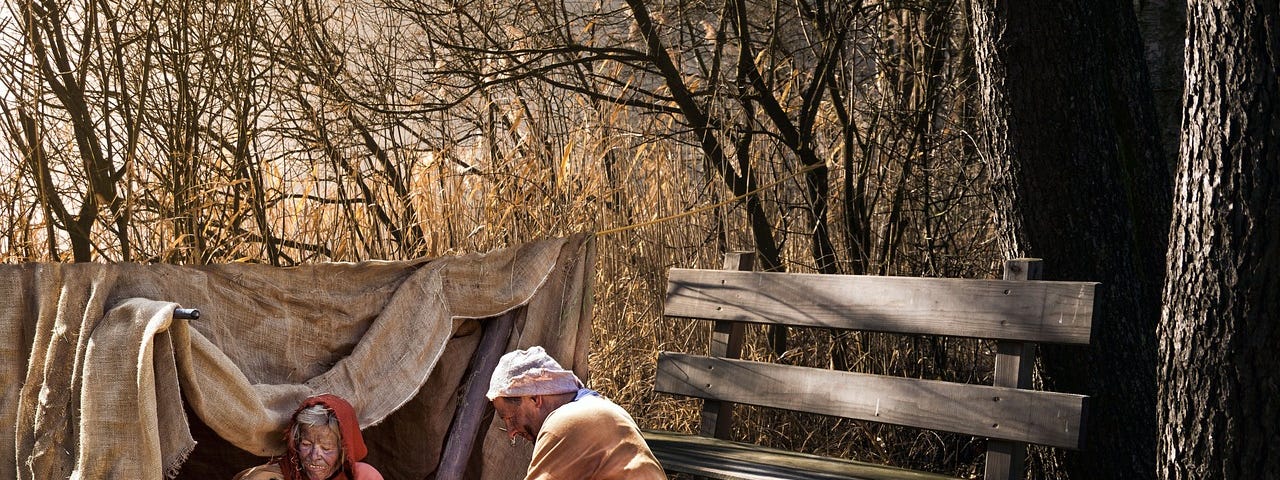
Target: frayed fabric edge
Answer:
[[172, 470]]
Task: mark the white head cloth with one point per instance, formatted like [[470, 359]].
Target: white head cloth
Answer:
[[530, 372]]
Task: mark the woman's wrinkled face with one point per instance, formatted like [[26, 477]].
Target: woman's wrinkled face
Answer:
[[318, 451]]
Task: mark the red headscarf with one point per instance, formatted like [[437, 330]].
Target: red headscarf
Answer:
[[353, 448]]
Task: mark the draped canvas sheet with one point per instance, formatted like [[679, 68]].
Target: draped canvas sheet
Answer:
[[94, 370]]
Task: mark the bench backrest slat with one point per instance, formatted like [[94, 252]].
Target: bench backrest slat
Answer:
[[1032, 311], [1045, 418]]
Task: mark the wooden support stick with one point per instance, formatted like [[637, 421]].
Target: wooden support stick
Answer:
[[470, 413], [726, 342], [1013, 366]]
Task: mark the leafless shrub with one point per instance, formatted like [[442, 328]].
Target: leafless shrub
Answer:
[[296, 132]]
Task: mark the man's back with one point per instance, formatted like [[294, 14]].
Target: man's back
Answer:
[[592, 439]]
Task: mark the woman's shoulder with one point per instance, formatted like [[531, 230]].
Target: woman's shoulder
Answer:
[[364, 471], [269, 471]]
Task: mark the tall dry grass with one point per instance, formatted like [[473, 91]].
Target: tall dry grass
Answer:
[[520, 199], [523, 162]]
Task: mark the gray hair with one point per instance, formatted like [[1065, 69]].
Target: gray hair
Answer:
[[315, 416]]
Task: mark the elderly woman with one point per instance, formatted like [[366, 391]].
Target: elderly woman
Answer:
[[324, 443]]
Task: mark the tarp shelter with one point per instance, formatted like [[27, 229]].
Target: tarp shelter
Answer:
[[99, 381]]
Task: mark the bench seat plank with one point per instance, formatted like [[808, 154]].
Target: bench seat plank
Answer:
[[726, 460], [1030, 311], [1045, 418]]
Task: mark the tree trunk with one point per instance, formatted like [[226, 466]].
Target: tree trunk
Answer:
[[1219, 371], [1079, 180], [1163, 24], [739, 182]]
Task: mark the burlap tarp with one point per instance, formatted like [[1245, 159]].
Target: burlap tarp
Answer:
[[99, 380]]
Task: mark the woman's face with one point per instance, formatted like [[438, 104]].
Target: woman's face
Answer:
[[318, 451]]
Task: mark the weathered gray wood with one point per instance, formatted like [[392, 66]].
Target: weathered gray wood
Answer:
[[1039, 311], [726, 342], [724, 460], [470, 412], [1013, 365], [1045, 418]]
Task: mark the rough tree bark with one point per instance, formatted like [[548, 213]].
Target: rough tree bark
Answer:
[[1219, 371], [1079, 180]]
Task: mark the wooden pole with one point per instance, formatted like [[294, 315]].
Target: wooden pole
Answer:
[[471, 410], [1013, 366], [726, 342]]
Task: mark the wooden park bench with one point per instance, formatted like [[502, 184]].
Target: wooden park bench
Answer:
[[1017, 312]]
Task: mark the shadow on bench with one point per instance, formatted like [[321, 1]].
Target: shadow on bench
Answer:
[[1017, 312]]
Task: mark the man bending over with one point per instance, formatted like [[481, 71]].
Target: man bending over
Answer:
[[576, 433]]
